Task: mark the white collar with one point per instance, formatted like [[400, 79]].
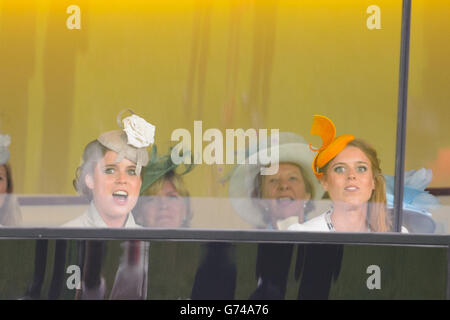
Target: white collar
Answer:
[[330, 223], [95, 220]]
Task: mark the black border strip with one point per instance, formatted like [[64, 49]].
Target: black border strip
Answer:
[[401, 116], [202, 235], [52, 200], [448, 273]]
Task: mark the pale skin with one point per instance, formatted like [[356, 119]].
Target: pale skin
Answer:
[[350, 183], [287, 193], [115, 189], [166, 209]]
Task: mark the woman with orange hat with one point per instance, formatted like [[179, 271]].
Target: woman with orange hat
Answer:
[[349, 171]]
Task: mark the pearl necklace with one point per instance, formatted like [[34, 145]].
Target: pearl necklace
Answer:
[[330, 223]]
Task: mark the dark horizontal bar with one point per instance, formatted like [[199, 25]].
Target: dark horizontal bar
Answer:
[[439, 191], [52, 200], [77, 200], [202, 235]]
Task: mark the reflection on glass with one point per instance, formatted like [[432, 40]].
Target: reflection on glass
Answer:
[[249, 69], [417, 203], [349, 171], [10, 214], [427, 136]]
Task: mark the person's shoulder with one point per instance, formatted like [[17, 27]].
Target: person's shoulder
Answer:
[[78, 222]]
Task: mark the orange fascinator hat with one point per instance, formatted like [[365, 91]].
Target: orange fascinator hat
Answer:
[[331, 146]]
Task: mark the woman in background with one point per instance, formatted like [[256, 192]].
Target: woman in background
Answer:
[[164, 200], [277, 200]]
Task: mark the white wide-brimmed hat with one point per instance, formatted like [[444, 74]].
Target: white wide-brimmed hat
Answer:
[[292, 148]]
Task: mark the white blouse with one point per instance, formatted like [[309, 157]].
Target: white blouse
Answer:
[[92, 219], [320, 224]]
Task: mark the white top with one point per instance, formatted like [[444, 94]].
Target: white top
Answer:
[[92, 219], [320, 224]]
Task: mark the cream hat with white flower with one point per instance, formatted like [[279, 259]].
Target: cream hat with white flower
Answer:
[[132, 141], [5, 141]]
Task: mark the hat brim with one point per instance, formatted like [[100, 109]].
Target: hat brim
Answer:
[[417, 222], [4, 155], [242, 181]]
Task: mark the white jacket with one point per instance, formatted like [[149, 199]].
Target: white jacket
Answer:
[[92, 219]]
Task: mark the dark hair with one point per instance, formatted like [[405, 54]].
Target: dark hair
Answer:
[[9, 211], [9, 180], [93, 152]]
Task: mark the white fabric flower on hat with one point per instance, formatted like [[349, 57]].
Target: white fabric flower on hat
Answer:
[[140, 133]]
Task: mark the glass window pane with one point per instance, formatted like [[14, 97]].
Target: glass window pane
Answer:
[[207, 74], [428, 138]]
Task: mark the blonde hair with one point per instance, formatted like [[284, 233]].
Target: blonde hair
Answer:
[[93, 152], [157, 186], [378, 217]]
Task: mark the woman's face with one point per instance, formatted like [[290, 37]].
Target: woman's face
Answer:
[[166, 209], [3, 184], [349, 177], [115, 188], [286, 191]]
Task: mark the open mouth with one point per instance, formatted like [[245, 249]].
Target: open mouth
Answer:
[[284, 201], [120, 196], [351, 188]]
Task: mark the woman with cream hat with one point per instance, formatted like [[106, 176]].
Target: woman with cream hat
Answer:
[[273, 202], [110, 177], [349, 171], [265, 201]]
